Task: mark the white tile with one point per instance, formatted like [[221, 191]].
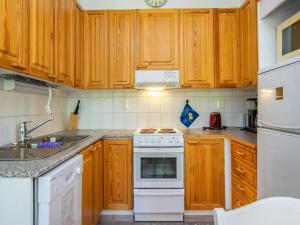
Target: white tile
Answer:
[[9, 104], [118, 94], [167, 120], [118, 120], [107, 120], [154, 120], [238, 104], [130, 120], [1, 133], [84, 121], [178, 93], [118, 104], [226, 92], [106, 94], [190, 93], [202, 93], [202, 104], [96, 94], [178, 104], [106, 105], [1, 104], [142, 120], [214, 93], [154, 104], [166, 104], [9, 130], [96, 121], [131, 103], [227, 119], [130, 93], [96, 105], [239, 119], [84, 107], [142, 104]]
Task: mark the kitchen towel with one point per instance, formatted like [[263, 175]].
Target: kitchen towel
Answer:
[[188, 115]]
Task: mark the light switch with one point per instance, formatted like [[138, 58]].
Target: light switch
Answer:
[[220, 104]]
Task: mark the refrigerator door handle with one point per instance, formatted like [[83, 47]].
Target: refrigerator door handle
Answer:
[[279, 129], [265, 124]]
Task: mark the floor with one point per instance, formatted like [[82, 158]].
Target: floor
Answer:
[[155, 223]]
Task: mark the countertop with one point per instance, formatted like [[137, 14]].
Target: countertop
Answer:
[[35, 168]]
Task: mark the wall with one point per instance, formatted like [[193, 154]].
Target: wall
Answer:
[[22, 105], [107, 109], [140, 4]]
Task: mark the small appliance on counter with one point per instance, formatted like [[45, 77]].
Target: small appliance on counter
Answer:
[[215, 122], [251, 119]]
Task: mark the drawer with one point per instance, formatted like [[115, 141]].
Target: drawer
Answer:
[[243, 171], [243, 188], [243, 153], [237, 200]]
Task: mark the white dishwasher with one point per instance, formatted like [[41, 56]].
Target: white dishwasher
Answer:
[[59, 194]]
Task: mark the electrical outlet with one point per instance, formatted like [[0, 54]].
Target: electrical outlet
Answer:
[[220, 104]]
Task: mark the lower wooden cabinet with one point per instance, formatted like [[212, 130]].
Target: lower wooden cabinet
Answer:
[[204, 173], [118, 163], [92, 184], [243, 174]]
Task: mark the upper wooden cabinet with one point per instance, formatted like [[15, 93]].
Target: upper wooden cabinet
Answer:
[[227, 45], [41, 39], [197, 48], [121, 48], [96, 49], [204, 173], [13, 34], [65, 41], [249, 43], [118, 188], [157, 39]]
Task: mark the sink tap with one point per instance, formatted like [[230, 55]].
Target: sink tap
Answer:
[[24, 133]]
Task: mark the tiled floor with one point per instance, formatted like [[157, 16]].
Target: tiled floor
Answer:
[[155, 223]]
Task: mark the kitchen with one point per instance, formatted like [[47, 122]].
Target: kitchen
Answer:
[[147, 111]]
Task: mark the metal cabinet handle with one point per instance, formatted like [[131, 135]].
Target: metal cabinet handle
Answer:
[[241, 188], [240, 170], [240, 153], [17, 66]]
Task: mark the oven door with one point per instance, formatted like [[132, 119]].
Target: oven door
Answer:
[[158, 168]]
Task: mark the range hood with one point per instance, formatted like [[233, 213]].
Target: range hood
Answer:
[[156, 79]]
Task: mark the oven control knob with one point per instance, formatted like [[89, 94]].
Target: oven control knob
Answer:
[[170, 141], [146, 140]]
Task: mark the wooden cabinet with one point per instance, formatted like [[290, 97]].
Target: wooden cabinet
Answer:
[[197, 48], [121, 48], [65, 41], [227, 45], [41, 39], [13, 34], [243, 174], [96, 49], [79, 57], [249, 43], [118, 188], [204, 173], [92, 184], [157, 39]]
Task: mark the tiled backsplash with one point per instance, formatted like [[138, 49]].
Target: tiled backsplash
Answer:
[[22, 106], [134, 109]]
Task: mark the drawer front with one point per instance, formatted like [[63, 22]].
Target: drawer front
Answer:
[[243, 153], [243, 188], [237, 200], [243, 171]]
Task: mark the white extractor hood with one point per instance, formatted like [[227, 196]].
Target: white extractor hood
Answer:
[[157, 79]]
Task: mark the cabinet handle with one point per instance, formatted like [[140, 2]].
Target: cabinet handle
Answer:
[[141, 67], [17, 66], [186, 85], [241, 188], [192, 142], [240, 170], [128, 86], [93, 149], [240, 153], [51, 76], [60, 80]]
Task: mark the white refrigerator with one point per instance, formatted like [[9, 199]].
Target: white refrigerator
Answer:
[[279, 132]]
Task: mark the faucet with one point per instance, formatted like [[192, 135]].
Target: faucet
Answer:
[[24, 133]]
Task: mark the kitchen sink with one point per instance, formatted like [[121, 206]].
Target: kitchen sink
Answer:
[[39, 148]]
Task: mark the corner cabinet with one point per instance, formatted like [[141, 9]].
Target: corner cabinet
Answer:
[[118, 188], [13, 34], [41, 39], [249, 43], [204, 173], [227, 44], [157, 39], [197, 48], [121, 48], [96, 49]]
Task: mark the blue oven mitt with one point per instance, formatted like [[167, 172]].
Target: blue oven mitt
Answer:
[[188, 115]]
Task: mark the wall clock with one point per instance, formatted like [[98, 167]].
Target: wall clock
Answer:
[[156, 3]]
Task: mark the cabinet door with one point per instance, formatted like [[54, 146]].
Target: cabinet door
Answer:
[[204, 173], [41, 39], [228, 48], [64, 41], [249, 45], [78, 83], [13, 34], [197, 50], [157, 43], [118, 174], [87, 188], [121, 26], [96, 49]]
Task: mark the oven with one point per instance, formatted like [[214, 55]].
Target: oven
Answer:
[[158, 168]]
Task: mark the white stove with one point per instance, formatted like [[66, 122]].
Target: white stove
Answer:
[[158, 175]]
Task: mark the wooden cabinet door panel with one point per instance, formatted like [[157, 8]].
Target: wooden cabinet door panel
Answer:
[[157, 32], [118, 174], [13, 34], [228, 48], [65, 41], [122, 40], [204, 173], [41, 38], [96, 49], [197, 50]]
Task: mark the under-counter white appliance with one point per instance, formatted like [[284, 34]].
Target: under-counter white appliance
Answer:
[[59, 194], [158, 175], [156, 79], [279, 131]]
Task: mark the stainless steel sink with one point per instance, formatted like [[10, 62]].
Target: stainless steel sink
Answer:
[[39, 148]]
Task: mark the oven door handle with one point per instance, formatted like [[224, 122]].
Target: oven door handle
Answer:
[[158, 150]]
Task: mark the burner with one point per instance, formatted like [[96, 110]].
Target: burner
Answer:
[[167, 131], [148, 131]]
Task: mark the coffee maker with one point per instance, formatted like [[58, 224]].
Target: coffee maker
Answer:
[[251, 119]]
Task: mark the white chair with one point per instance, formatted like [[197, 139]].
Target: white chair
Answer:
[[268, 211]]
